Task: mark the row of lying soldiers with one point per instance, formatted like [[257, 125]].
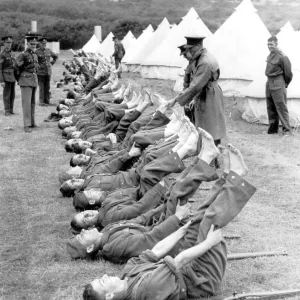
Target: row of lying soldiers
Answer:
[[126, 143]]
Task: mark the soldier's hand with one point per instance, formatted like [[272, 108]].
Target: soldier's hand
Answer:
[[214, 237], [112, 137], [185, 227], [3, 84], [191, 105], [134, 151], [183, 211]]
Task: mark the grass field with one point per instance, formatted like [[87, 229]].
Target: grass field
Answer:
[[34, 217]]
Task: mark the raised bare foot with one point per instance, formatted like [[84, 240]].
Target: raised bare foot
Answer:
[[208, 151], [237, 163], [190, 145], [226, 158], [148, 97]]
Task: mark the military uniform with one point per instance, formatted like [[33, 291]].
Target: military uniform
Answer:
[[118, 54], [148, 277], [7, 69], [279, 73], [44, 72], [28, 66], [146, 177], [206, 93]]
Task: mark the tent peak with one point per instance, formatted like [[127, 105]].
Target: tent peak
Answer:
[[246, 6]]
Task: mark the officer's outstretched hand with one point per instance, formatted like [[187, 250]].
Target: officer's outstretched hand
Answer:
[[214, 237]]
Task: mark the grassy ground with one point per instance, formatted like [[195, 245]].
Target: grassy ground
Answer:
[[34, 218]]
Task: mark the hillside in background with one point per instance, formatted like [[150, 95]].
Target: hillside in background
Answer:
[[73, 21]]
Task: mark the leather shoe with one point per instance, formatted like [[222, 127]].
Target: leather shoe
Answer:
[[27, 129], [7, 114], [50, 104], [287, 133], [34, 126], [13, 113]]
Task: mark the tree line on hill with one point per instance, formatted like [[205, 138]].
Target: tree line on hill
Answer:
[[72, 21]]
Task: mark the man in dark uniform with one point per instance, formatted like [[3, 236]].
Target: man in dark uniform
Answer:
[[28, 66], [118, 54], [204, 90], [44, 72], [279, 73], [7, 77], [188, 109]]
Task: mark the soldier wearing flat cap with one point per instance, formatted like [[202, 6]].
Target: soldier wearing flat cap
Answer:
[[28, 66], [118, 53], [203, 89], [7, 77], [46, 59]]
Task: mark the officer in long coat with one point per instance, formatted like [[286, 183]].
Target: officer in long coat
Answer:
[[44, 72], [28, 66], [7, 77], [118, 53], [204, 90]]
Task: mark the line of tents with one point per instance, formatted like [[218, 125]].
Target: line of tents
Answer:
[[240, 45]]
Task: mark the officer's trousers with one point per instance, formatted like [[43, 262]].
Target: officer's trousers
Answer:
[[276, 98], [28, 105], [44, 87], [9, 96]]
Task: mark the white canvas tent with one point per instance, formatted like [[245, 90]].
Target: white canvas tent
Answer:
[[165, 61], [92, 46], [136, 46], [107, 46], [253, 102], [240, 46], [54, 46], [154, 40], [289, 43], [128, 40]]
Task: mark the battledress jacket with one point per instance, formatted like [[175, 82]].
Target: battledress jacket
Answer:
[[207, 95], [126, 239], [44, 59], [278, 64], [119, 50], [7, 66], [28, 66]]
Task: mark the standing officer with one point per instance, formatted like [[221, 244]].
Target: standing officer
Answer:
[[279, 73], [7, 77], [44, 72], [28, 66], [189, 108], [118, 54], [203, 89]]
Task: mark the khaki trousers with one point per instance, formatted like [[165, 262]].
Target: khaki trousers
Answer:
[[28, 105]]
